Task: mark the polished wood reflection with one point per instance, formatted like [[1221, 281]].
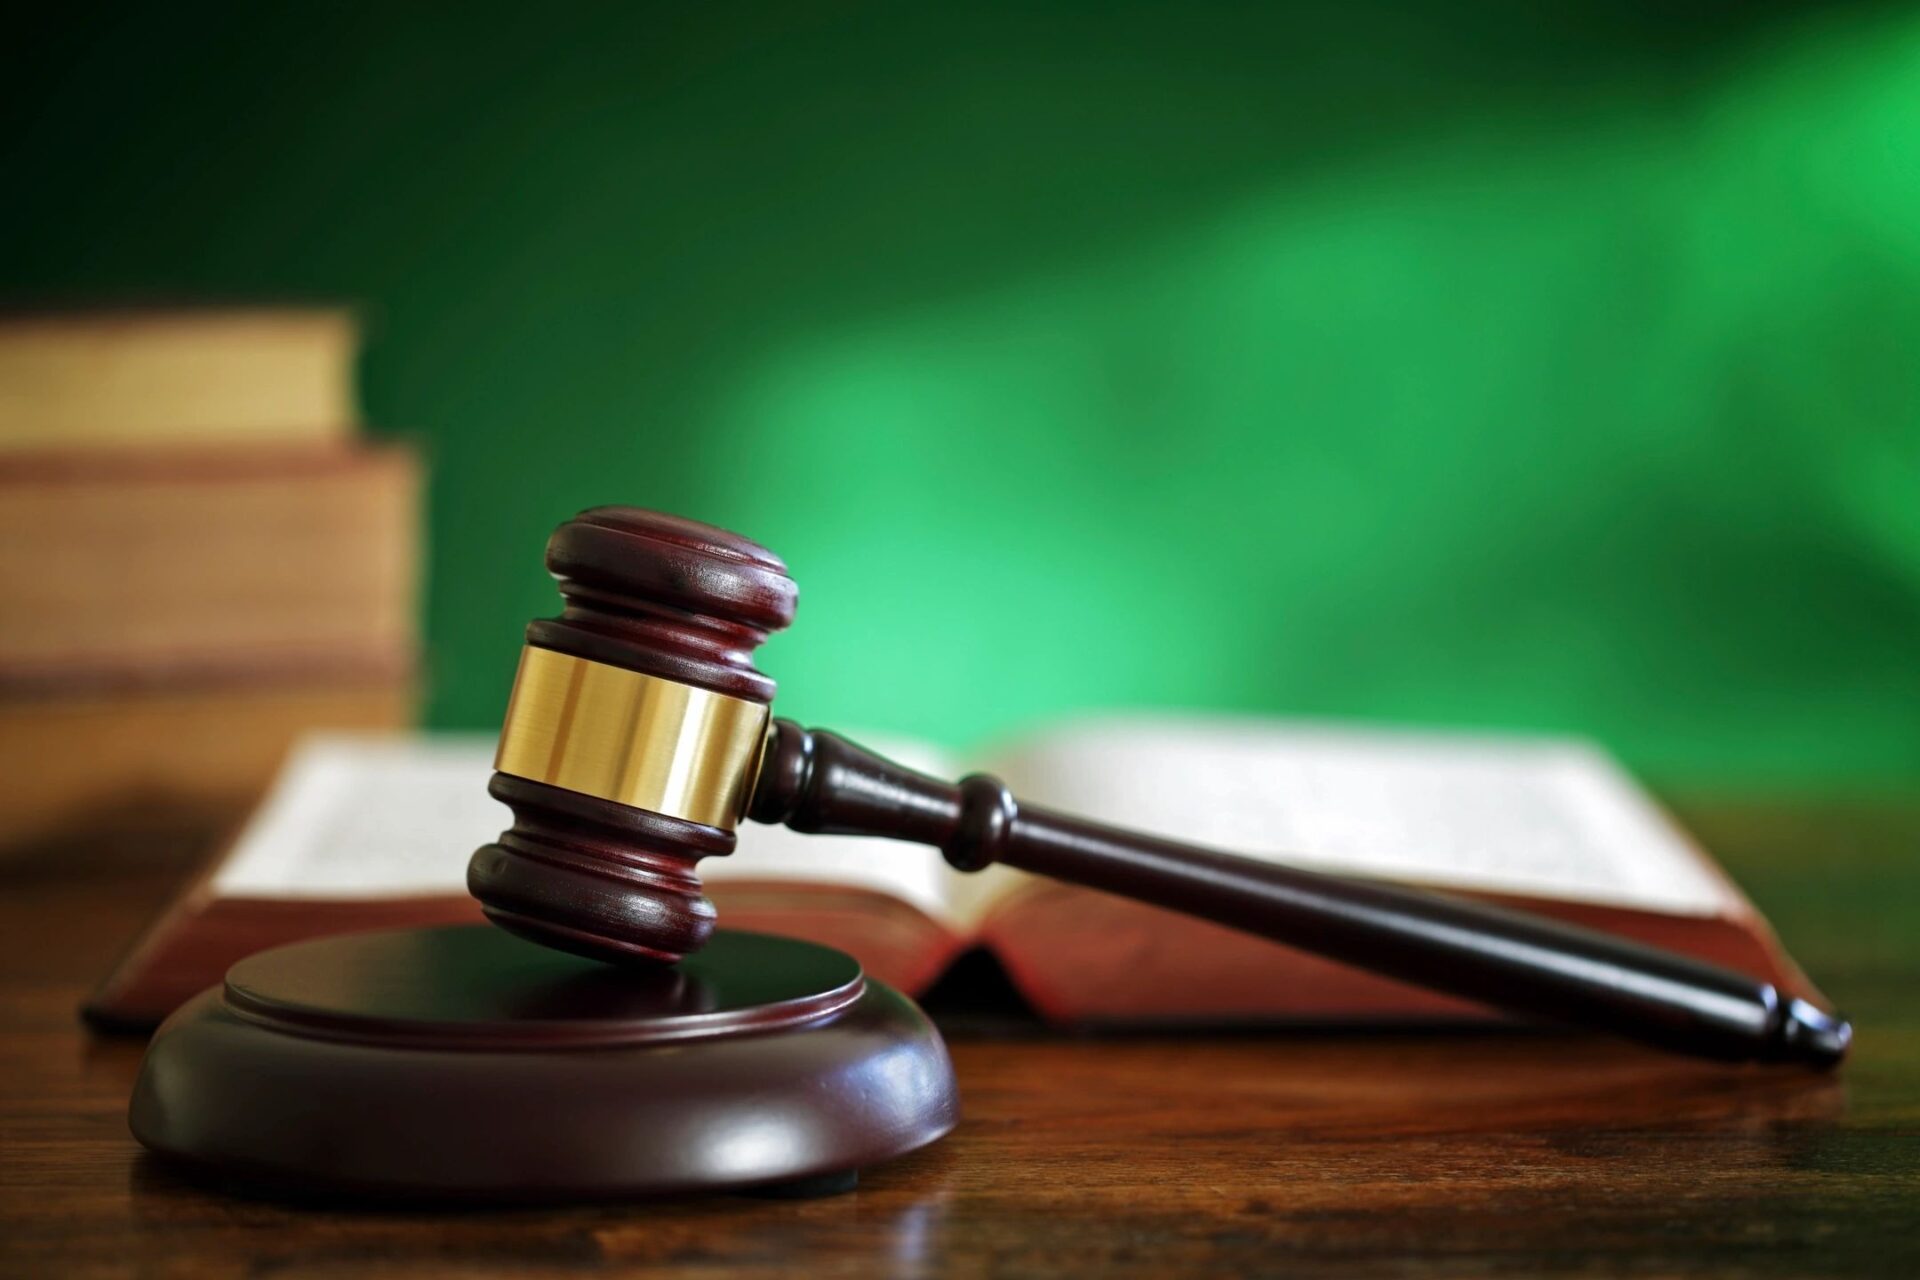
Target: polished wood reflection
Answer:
[[1248, 1153]]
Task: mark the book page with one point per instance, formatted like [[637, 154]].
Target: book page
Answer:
[[912, 873], [1550, 818], [385, 816], [368, 816]]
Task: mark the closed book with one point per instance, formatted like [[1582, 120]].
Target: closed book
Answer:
[[87, 759], [188, 566], [200, 375]]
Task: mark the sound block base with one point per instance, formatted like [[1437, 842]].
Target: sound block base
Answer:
[[463, 1064]]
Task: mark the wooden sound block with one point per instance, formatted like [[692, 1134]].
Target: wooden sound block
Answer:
[[461, 1063]]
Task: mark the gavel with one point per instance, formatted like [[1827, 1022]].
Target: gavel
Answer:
[[639, 733]]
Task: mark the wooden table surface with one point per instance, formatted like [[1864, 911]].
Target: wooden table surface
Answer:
[[1258, 1153]]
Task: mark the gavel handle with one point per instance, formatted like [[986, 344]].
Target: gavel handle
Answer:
[[818, 782]]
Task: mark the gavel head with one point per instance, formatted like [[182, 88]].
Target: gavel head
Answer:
[[633, 735]]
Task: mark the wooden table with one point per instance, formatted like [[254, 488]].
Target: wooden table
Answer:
[[1301, 1154]]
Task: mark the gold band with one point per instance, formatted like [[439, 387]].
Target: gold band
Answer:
[[630, 738]]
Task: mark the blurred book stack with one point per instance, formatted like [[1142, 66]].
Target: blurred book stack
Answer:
[[199, 559]]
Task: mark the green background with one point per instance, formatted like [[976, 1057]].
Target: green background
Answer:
[[1531, 366]]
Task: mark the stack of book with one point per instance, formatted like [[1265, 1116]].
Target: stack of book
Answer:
[[199, 559]]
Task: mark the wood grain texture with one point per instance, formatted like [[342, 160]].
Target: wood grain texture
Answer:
[[1301, 1154]]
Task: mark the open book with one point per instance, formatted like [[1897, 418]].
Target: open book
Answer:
[[363, 832]]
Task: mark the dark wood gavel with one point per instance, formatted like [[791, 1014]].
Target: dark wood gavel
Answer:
[[639, 733]]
